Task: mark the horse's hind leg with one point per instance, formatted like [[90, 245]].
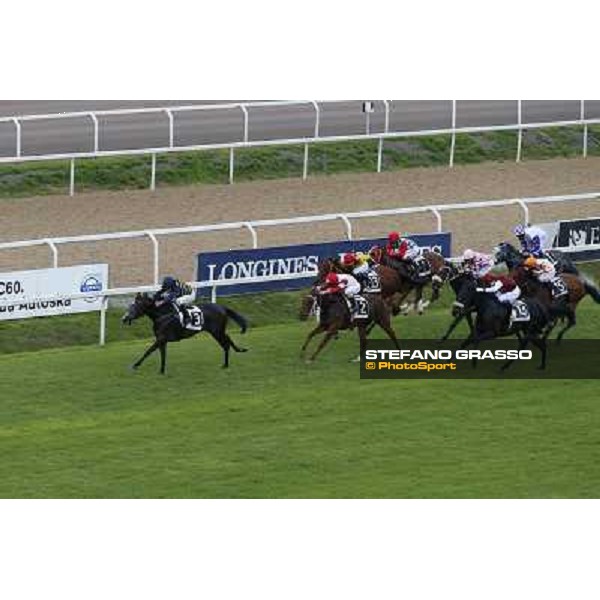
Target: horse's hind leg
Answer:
[[146, 354], [234, 346], [571, 323], [225, 342]]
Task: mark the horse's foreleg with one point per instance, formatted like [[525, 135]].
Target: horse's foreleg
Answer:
[[452, 327], [146, 354], [309, 337], [328, 335], [163, 357]]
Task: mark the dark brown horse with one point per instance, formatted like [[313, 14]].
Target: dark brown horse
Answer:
[[394, 288], [562, 308], [334, 316], [439, 272]]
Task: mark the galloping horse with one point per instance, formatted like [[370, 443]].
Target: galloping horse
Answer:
[[334, 316], [394, 288], [493, 319], [439, 271], [167, 327], [577, 285]]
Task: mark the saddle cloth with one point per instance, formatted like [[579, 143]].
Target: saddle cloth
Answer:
[[520, 312], [196, 318]]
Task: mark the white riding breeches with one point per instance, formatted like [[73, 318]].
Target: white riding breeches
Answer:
[[509, 297], [413, 252], [352, 289], [361, 269], [546, 277]]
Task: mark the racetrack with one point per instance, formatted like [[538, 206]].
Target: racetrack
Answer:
[[76, 423], [194, 205]]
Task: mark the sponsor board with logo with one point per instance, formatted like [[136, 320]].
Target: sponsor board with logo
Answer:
[[285, 260], [578, 234], [51, 283]]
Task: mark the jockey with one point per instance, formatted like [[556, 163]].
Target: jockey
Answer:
[[477, 263], [541, 268], [532, 239], [340, 282], [403, 249], [359, 262], [505, 288], [178, 294]]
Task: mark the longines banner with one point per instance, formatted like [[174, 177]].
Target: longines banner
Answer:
[[45, 283], [304, 258], [578, 234]]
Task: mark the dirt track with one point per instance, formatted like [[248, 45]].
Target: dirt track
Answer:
[[130, 260]]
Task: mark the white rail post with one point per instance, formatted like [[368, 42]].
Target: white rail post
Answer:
[[156, 255], [520, 132], [245, 111], [252, 231], [103, 309], [95, 121], [72, 178], [171, 126], [525, 208], [54, 253], [317, 117], [379, 154], [585, 130], [231, 165], [386, 129], [348, 225], [153, 172], [438, 217], [453, 141], [305, 164], [18, 137], [213, 293]]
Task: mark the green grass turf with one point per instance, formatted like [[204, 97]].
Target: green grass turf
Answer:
[[212, 166], [74, 422]]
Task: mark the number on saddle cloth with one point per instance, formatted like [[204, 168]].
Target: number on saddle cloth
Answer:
[[422, 266], [371, 283], [520, 312], [196, 318], [559, 288], [362, 307]]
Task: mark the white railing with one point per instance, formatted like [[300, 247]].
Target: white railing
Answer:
[[213, 285], [436, 210], [244, 142]]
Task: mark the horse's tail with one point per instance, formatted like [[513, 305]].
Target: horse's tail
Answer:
[[591, 289], [241, 321]]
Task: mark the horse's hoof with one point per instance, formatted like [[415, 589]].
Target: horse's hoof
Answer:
[[355, 360], [243, 350], [133, 367], [309, 361], [224, 366]]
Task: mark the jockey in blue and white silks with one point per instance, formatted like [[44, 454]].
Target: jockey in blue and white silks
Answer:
[[532, 239]]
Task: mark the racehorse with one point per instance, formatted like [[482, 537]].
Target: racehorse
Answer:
[[493, 319], [334, 316], [577, 285], [438, 273], [508, 254], [457, 280], [394, 288], [167, 327]]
